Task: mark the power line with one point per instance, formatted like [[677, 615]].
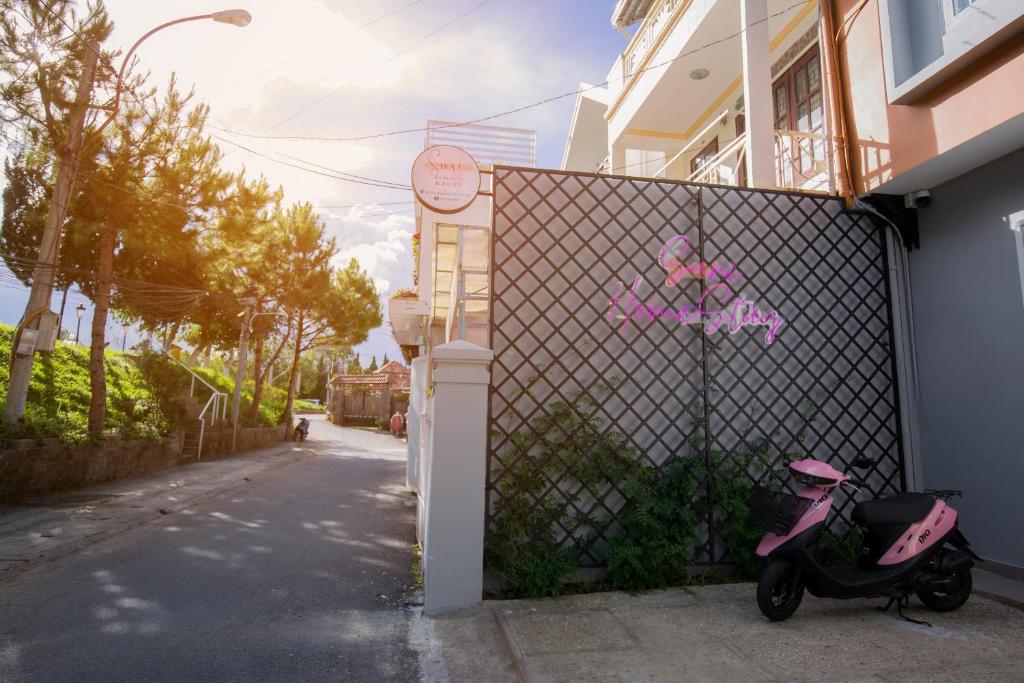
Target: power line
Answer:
[[308, 170], [399, 186], [384, 63], [354, 31], [532, 105], [355, 206]]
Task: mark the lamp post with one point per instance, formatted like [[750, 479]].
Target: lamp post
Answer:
[[248, 315], [39, 297], [235, 17], [124, 334], [79, 311]]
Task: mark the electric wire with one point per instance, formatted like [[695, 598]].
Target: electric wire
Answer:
[[338, 89], [351, 33], [532, 105]]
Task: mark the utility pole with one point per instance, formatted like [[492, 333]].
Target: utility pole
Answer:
[[243, 351], [49, 247]]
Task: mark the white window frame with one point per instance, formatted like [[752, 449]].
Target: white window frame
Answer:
[[967, 36]]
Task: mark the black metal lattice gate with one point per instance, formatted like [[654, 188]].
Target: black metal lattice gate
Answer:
[[597, 276]]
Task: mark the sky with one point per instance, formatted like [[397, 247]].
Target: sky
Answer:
[[304, 67]]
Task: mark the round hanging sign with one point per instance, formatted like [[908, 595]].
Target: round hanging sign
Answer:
[[445, 178]]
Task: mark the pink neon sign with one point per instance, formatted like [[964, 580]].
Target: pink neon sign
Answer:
[[718, 308]]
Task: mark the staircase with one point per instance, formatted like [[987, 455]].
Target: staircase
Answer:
[[193, 428], [200, 415]]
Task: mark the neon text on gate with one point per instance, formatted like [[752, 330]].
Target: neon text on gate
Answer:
[[719, 308], [672, 258]]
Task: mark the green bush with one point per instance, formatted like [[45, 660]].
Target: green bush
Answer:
[[59, 393], [526, 545], [732, 478], [146, 394], [168, 384], [656, 542], [271, 404]]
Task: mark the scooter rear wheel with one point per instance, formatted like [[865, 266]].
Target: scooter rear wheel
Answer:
[[780, 589], [950, 600]]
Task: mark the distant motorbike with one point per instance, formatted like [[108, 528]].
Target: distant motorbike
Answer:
[[301, 430]]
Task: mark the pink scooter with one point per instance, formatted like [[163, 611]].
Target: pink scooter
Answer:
[[911, 545]]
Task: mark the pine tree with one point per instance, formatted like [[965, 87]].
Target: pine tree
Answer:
[[372, 368], [327, 307], [353, 367], [385, 361]]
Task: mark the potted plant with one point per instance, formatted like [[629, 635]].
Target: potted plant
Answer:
[[405, 310]]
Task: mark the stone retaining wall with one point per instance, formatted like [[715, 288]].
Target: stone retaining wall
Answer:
[[217, 442], [32, 467]]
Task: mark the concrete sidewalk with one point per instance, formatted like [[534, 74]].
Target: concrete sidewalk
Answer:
[[716, 633], [51, 527]]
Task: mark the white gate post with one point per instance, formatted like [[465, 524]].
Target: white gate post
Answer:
[[455, 470], [417, 394]]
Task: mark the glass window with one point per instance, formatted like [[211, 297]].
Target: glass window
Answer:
[[960, 5]]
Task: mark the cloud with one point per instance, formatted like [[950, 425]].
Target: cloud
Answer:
[[301, 52]]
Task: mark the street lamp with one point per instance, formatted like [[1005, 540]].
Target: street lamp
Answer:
[[235, 17], [79, 311], [124, 333]]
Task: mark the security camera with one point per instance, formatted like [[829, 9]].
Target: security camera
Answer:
[[1015, 220], [917, 200]]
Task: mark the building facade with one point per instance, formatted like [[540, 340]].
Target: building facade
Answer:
[[910, 109]]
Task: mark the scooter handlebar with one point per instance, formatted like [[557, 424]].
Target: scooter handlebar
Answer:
[[857, 482]]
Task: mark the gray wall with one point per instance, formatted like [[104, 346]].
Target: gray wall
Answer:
[[969, 328]]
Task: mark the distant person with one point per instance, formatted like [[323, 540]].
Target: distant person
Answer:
[[397, 424]]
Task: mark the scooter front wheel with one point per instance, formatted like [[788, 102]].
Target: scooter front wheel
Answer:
[[780, 589]]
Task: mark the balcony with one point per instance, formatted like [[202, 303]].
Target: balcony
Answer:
[[802, 159], [649, 34]]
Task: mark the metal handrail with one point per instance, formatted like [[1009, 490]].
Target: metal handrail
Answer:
[[693, 141], [195, 376], [718, 159], [214, 400], [218, 400]]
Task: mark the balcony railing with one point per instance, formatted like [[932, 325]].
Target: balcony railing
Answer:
[[801, 163], [725, 167], [646, 37]]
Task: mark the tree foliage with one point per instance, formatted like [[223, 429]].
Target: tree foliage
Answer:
[[154, 229]]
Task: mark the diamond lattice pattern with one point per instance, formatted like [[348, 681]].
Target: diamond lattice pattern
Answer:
[[564, 244]]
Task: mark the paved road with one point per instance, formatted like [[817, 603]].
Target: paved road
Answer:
[[301, 575]]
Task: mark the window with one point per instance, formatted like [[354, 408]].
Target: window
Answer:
[[799, 108], [704, 157], [797, 92], [959, 6], [643, 162], [925, 42]]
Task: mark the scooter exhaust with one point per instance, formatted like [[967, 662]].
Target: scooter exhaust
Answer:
[[949, 565], [954, 562]]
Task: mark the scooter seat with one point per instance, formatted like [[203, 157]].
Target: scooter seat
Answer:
[[903, 508]]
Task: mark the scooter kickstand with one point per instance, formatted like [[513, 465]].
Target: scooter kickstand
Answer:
[[902, 601]]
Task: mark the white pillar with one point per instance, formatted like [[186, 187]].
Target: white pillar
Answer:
[[453, 489], [757, 93], [617, 159], [417, 393]]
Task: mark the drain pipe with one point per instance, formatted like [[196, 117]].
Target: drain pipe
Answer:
[[836, 109]]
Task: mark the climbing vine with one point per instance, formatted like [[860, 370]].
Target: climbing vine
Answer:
[[659, 531]]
